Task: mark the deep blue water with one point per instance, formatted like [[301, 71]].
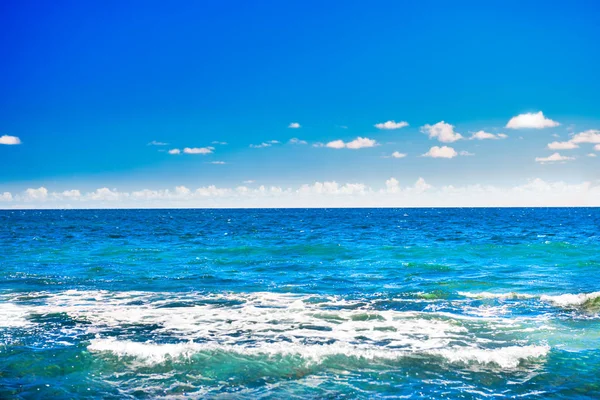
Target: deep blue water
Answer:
[[341, 303]]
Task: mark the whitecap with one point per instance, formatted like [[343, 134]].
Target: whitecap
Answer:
[[572, 300]]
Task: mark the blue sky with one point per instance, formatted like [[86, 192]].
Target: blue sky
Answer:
[[87, 85]]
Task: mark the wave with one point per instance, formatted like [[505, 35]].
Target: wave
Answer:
[[583, 300], [13, 316], [500, 296], [152, 353], [590, 301]]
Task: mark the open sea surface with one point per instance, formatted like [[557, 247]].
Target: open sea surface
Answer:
[[294, 304]]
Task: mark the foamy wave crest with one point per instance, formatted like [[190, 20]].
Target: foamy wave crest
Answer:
[[153, 353], [13, 316], [505, 357], [574, 300], [500, 296]]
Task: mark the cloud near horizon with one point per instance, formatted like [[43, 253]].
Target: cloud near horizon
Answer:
[[535, 192]]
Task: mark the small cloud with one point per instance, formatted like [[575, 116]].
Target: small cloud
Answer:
[[597, 147], [155, 143], [465, 153], [268, 143], [591, 155], [482, 135], [556, 157], [360, 143], [318, 144], [294, 125], [9, 140], [71, 194], [556, 135], [391, 125], [441, 152], [336, 144], [297, 141], [260, 146], [217, 142], [589, 136], [174, 151], [6, 196], [343, 127], [198, 150], [218, 162], [40, 193], [531, 120], [249, 181], [357, 143], [441, 131], [562, 145], [397, 154]]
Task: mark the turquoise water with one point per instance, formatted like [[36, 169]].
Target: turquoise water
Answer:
[[360, 303]]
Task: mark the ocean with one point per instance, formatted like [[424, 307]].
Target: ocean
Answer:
[[300, 303]]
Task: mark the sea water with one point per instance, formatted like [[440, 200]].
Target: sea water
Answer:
[[300, 303]]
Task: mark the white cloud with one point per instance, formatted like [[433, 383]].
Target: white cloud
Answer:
[[174, 151], [198, 150], [562, 145], [260, 146], [391, 125], [217, 142], [589, 136], [9, 140], [38, 194], [156, 143], [297, 141], [249, 181], [531, 120], [218, 162], [591, 155], [360, 143], [357, 143], [397, 154], [6, 196], [71, 194], [441, 152], [597, 147], [441, 131], [391, 193], [264, 144], [105, 194], [336, 144], [556, 157], [482, 135], [556, 135], [294, 125], [466, 153], [333, 188]]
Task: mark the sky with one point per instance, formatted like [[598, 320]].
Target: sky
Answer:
[[299, 103]]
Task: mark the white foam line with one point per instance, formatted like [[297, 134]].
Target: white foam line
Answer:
[[152, 353]]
